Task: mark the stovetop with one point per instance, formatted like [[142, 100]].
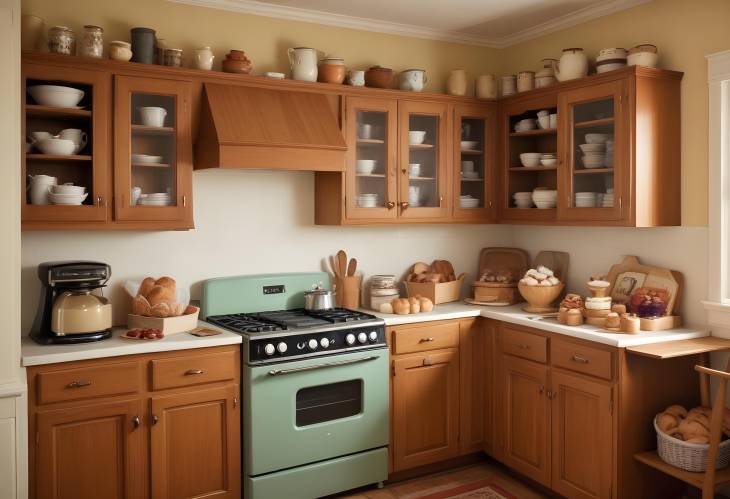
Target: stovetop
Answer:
[[289, 320]]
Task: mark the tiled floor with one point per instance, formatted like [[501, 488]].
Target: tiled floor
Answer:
[[430, 484]]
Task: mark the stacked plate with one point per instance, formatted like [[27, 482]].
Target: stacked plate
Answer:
[[369, 200], [523, 199], [609, 153], [155, 199], [586, 199], [548, 159], [545, 198], [607, 201], [468, 201], [594, 155], [146, 159], [67, 199]]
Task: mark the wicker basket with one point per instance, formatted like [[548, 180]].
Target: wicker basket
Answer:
[[688, 456]]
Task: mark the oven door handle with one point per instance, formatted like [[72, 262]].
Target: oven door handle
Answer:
[[281, 372]]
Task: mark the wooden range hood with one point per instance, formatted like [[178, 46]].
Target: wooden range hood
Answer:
[[251, 127]]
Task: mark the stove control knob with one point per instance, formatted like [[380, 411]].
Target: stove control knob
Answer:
[[281, 347], [373, 336], [362, 338], [350, 339], [312, 344], [269, 349], [324, 343]]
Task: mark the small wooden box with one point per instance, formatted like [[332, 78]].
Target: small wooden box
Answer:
[[168, 325], [442, 292], [498, 293]]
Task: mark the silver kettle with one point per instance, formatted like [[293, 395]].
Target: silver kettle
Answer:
[[318, 298]]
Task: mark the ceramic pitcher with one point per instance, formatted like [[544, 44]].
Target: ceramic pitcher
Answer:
[[303, 62], [456, 84], [38, 186], [573, 64]]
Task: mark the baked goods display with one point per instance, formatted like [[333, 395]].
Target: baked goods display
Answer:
[[541, 276], [405, 306], [157, 298], [437, 282], [540, 288], [438, 271], [497, 275], [691, 426], [570, 310]]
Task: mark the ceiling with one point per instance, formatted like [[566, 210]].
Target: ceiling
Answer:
[[492, 23]]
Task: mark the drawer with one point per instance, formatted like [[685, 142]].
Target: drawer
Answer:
[[87, 382], [193, 370], [582, 358], [422, 338], [523, 344]]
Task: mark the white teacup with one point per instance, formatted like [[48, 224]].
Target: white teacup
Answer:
[[467, 166], [153, 116], [78, 137]]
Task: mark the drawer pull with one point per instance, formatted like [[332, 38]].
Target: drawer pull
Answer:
[[135, 421], [578, 358], [78, 384], [425, 340], [193, 372], [155, 419], [542, 389]]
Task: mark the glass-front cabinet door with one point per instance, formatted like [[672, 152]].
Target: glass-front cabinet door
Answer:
[[423, 182], [372, 153], [153, 153], [473, 179], [594, 152]]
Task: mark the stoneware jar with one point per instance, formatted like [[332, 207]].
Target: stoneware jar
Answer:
[[204, 58], [303, 61], [546, 76], [92, 42], [356, 78], [573, 65], [643, 55], [525, 81], [61, 40], [379, 77], [120, 51], [486, 86], [413, 80], [331, 70], [456, 84], [173, 57], [237, 62], [143, 45], [509, 85]]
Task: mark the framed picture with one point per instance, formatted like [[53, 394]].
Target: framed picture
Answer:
[[625, 285]]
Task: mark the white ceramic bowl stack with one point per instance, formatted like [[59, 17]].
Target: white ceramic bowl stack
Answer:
[[146, 159], [414, 169], [155, 199], [586, 199], [610, 59], [368, 200], [416, 137], [57, 147], [67, 194], [468, 201], [530, 159], [595, 150], [548, 159], [365, 166], [545, 198], [526, 125], [56, 95], [523, 199], [469, 145]]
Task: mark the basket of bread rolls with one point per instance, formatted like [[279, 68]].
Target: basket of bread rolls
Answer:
[[158, 304], [437, 282], [683, 437]]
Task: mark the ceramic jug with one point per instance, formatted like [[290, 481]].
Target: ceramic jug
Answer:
[[456, 84], [573, 65], [38, 186], [204, 58], [303, 62]]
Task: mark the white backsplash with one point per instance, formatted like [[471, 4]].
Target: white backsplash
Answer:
[[250, 222]]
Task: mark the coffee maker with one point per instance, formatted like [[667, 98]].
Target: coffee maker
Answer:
[[68, 311]]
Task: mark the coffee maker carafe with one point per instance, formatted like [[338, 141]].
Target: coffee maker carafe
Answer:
[[68, 310]]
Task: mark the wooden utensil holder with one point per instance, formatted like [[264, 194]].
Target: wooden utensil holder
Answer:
[[348, 291]]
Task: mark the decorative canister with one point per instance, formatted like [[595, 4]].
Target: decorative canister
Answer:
[[143, 45], [456, 84], [303, 62], [356, 78], [413, 80], [237, 62], [486, 86], [120, 51], [525, 81], [204, 58], [546, 76], [331, 70], [509, 85], [573, 65], [61, 40], [92, 42], [173, 57]]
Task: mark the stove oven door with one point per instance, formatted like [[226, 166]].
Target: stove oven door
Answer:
[[301, 412]]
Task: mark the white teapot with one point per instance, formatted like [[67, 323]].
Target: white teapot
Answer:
[[573, 65]]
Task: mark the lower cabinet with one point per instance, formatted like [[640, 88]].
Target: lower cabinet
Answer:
[[93, 437]]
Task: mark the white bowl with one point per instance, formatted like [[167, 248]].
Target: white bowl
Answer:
[[609, 66], [416, 137], [66, 199], [598, 138], [414, 169], [523, 205], [594, 161], [146, 159], [59, 147], [611, 53], [549, 162], [525, 125], [588, 148], [469, 144], [543, 122], [470, 174], [56, 95], [544, 205], [68, 189], [530, 159], [365, 166]]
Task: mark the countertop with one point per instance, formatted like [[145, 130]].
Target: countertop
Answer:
[[515, 315], [33, 354]]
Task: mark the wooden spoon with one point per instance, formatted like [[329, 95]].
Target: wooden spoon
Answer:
[[352, 267], [342, 263], [335, 268]]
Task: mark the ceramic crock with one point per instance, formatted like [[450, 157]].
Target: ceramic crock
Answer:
[[486, 86], [303, 61], [456, 84], [573, 65], [413, 80], [204, 58]]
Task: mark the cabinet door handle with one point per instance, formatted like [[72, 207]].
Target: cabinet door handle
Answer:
[[193, 372], [404, 205], [99, 201], [135, 421], [185, 201], [390, 205], [405, 172], [78, 383], [155, 419], [441, 200], [425, 340], [579, 359]]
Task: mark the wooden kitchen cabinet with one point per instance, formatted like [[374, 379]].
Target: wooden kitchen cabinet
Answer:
[[117, 436], [475, 385], [90, 451], [193, 444]]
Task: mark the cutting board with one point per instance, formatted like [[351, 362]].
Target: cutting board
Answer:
[[558, 262]]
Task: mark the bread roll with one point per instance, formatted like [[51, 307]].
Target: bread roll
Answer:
[[698, 440], [140, 306], [401, 306], [161, 309], [386, 308], [167, 282], [146, 286], [161, 294], [426, 304], [690, 429], [415, 305], [667, 422], [677, 410]]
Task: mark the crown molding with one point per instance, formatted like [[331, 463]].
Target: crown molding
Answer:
[[259, 8]]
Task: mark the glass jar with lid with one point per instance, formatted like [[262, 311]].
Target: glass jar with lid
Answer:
[[61, 40], [92, 43]]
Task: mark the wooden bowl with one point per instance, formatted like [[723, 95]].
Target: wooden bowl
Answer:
[[540, 298]]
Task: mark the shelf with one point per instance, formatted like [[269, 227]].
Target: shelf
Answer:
[[420, 146], [671, 349], [370, 175], [471, 152], [593, 171], [38, 111], [532, 133], [370, 142], [651, 458], [523, 169], [150, 165], [57, 157], [422, 179], [592, 123], [472, 179], [152, 130]]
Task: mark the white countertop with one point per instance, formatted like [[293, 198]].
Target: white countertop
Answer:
[[33, 354], [515, 315]]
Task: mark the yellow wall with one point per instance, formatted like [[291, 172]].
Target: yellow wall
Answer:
[[264, 39], [685, 31]]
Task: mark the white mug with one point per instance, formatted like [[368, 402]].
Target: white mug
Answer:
[[365, 131], [78, 137], [356, 78], [39, 185], [153, 116]]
